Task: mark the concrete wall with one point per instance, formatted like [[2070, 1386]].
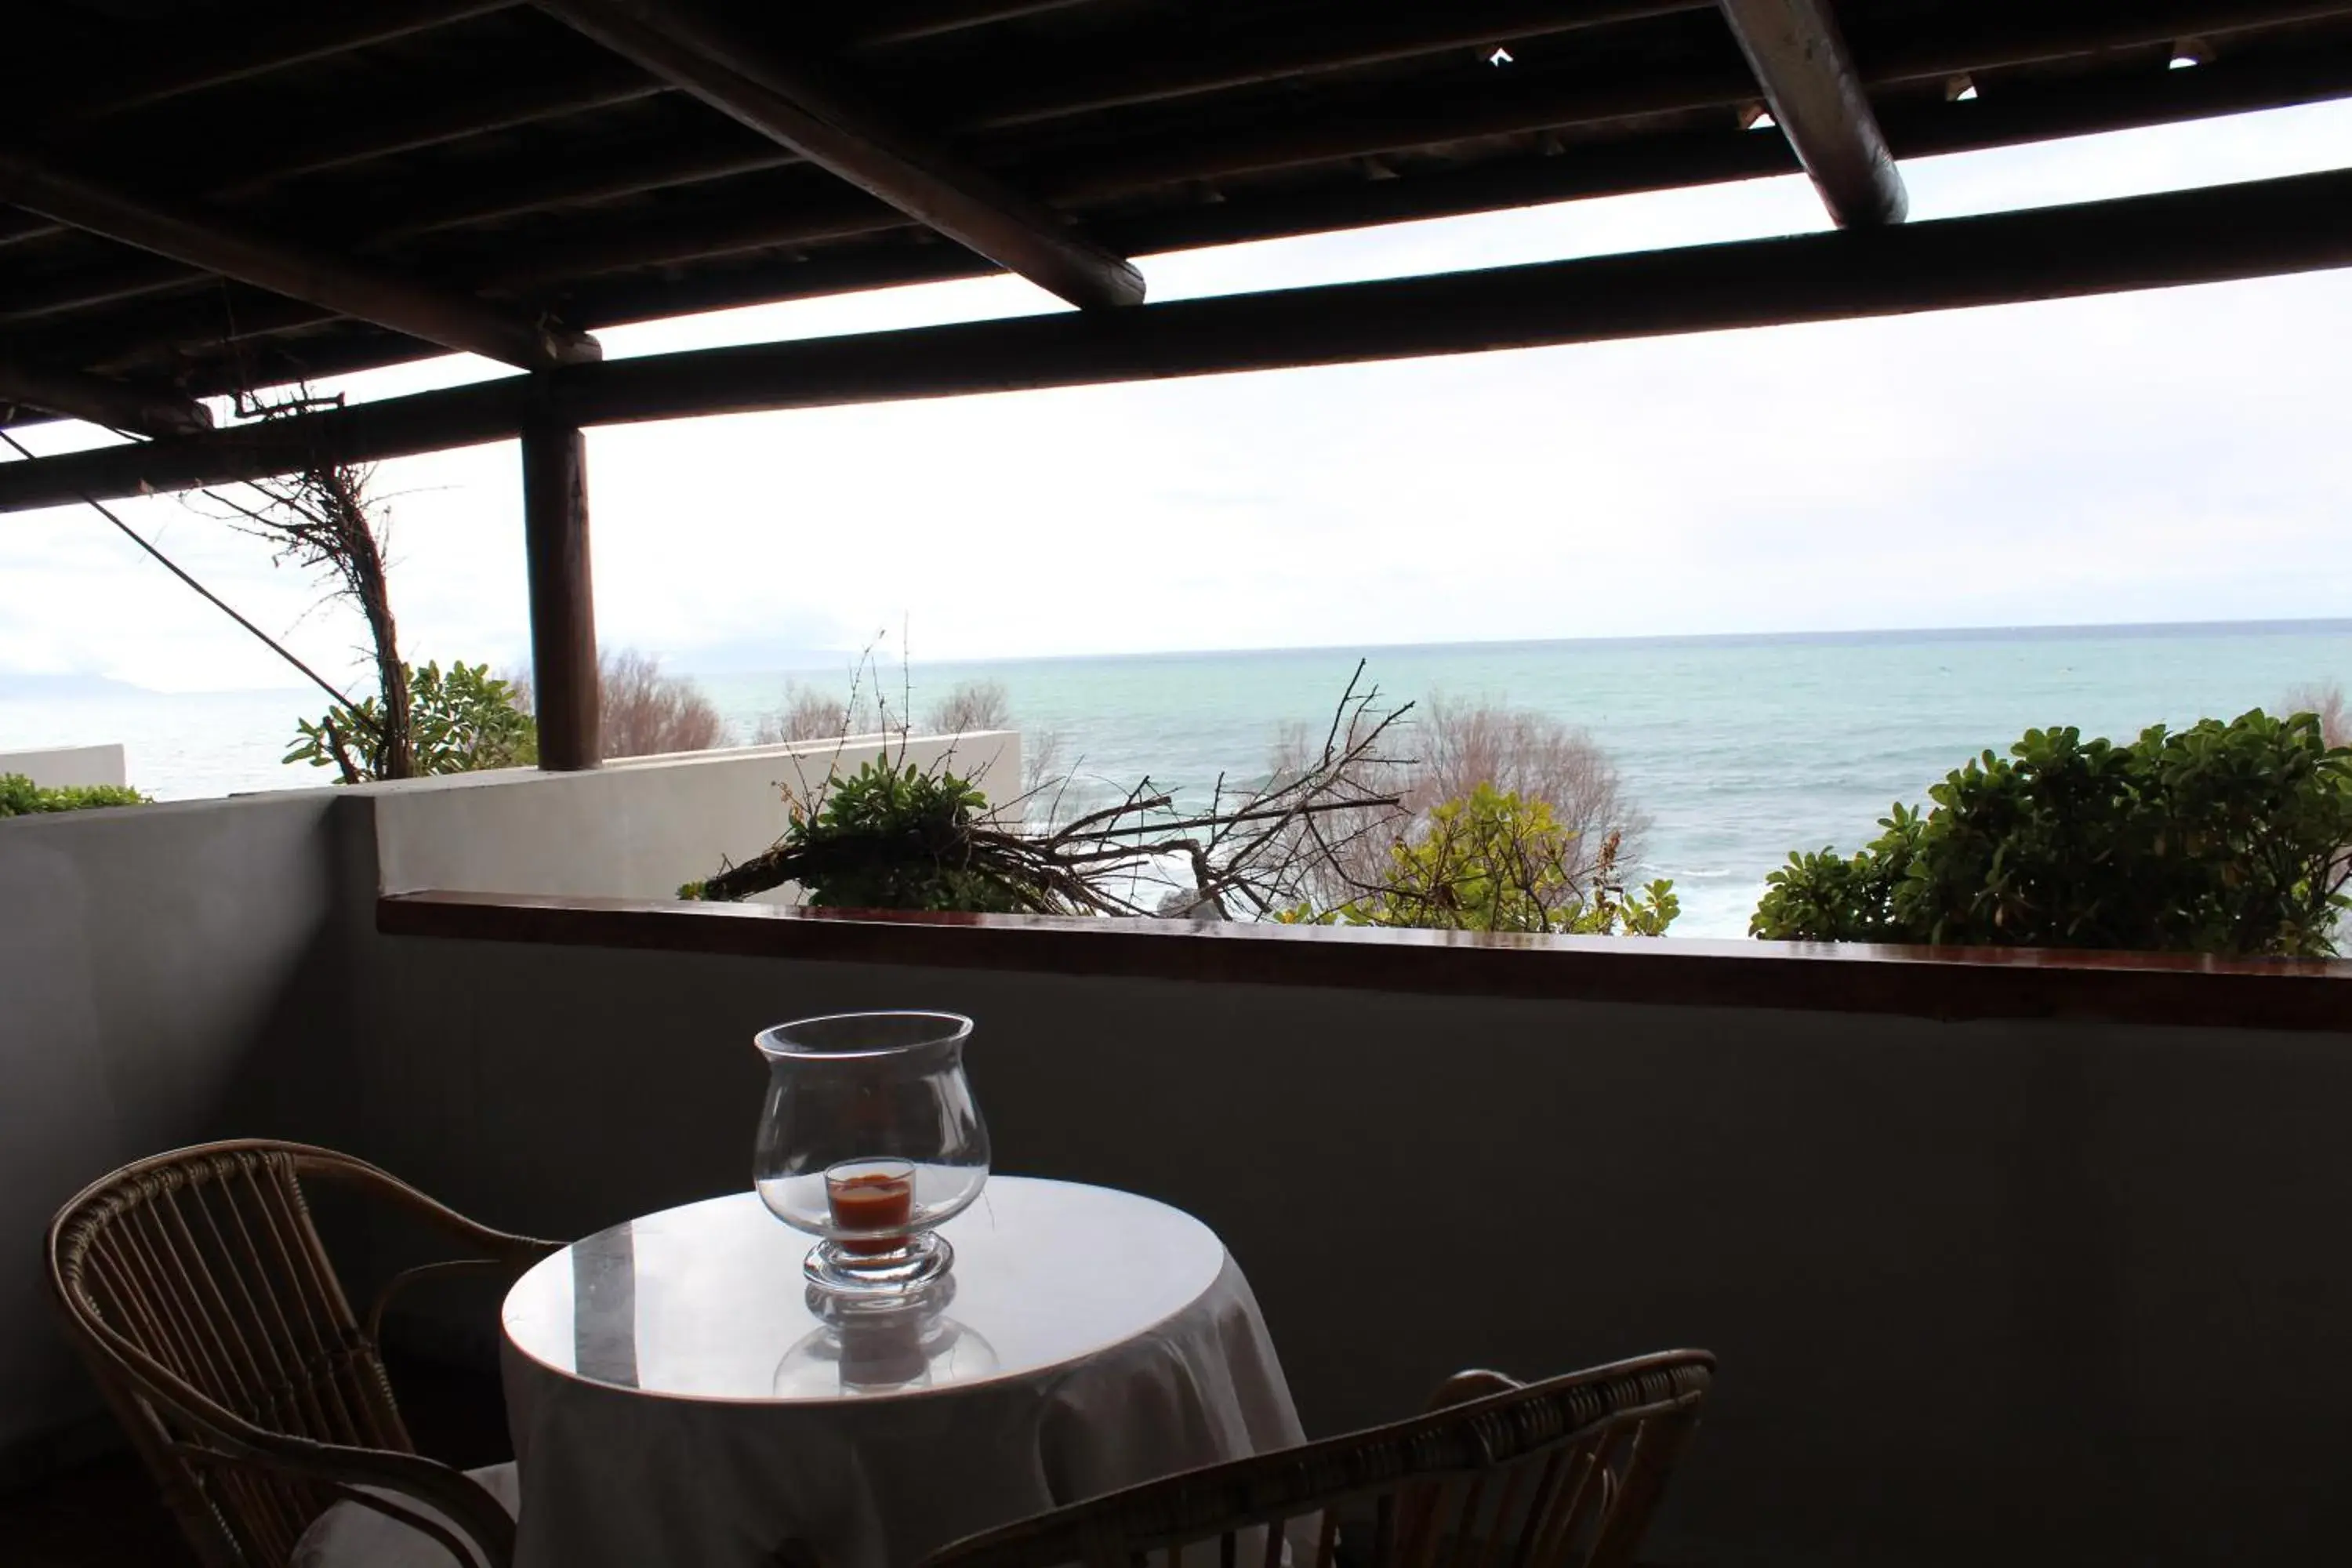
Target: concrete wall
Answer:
[[2023, 1292], [168, 973], [634, 828], [2041, 1292], [58, 766], [174, 973]]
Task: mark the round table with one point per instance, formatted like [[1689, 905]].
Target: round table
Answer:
[[674, 1399]]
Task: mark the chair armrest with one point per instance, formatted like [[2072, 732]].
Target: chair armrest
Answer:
[[1464, 1387], [512, 1259]]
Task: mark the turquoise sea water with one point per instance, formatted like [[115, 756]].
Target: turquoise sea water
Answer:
[[1739, 749]]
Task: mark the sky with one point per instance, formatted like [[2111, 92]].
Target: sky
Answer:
[[2175, 455]]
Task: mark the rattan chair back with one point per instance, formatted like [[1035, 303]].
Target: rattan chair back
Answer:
[[197, 1289], [1558, 1474]]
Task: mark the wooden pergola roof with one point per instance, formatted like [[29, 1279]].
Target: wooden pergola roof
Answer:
[[204, 196], [201, 197]]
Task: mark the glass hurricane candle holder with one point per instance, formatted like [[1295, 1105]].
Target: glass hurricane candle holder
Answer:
[[870, 1140], [883, 1345]]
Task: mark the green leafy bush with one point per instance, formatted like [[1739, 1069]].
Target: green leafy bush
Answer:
[[459, 722], [886, 838], [2220, 838], [20, 796], [1493, 861]]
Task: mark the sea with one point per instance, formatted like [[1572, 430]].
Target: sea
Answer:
[[1738, 749]]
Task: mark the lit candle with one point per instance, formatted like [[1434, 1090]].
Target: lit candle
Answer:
[[875, 1197]]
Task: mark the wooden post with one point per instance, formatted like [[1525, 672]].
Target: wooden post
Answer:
[[563, 596]]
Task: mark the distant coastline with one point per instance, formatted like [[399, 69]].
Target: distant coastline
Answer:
[[1885, 636], [738, 659], [50, 687]]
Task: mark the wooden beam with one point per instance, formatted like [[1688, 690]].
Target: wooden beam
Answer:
[[1251, 50], [2298, 223], [1514, 104], [463, 109], [1921, 127], [789, 104], [364, 129], [219, 246], [113, 403], [1809, 79], [1916, 125], [214, 52], [563, 681], [884, 22], [727, 221]]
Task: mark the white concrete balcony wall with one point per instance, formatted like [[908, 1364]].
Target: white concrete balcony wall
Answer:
[[61, 767], [638, 827]]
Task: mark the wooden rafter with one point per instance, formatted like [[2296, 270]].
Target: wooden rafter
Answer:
[[113, 403], [1248, 52], [2301, 223], [456, 111], [475, 105], [898, 21], [790, 103], [263, 39], [220, 246], [1917, 125], [1809, 79]]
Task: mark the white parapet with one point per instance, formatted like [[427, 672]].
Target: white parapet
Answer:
[[61, 767], [638, 827]]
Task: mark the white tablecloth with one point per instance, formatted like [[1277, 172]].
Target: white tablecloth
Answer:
[[673, 1399]]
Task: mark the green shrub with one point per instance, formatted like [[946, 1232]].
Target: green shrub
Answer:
[[459, 722], [2220, 838], [883, 838], [20, 796], [1492, 861]]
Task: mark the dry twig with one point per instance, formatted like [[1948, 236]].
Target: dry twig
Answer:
[[1245, 853]]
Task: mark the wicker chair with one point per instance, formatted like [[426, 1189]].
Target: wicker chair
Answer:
[[1558, 1474], [195, 1284]]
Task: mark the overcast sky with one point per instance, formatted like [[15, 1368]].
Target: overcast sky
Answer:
[[2171, 455]]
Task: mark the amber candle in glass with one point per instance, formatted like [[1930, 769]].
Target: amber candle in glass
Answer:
[[875, 1197]]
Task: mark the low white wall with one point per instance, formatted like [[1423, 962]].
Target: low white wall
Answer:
[[634, 828], [59, 767]]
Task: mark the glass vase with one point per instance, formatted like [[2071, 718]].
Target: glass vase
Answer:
[[869, 1139]]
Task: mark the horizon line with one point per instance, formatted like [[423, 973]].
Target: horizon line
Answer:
[[681, 664], [2284, 625]]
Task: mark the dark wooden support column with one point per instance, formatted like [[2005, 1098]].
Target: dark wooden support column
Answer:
[[1809, 79], [562, 593]]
